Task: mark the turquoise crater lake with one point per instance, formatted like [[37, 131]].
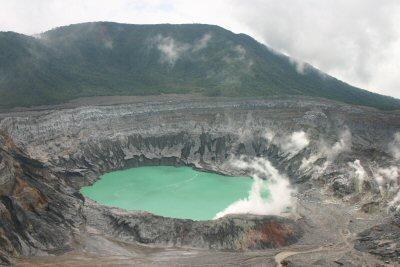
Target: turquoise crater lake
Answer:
[[178, 192]]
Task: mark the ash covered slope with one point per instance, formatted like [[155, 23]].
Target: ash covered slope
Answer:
[[106, 58]]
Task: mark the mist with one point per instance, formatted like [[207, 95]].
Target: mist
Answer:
[[171, 49]]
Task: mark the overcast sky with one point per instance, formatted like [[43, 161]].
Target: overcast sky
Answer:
[[357, 41]]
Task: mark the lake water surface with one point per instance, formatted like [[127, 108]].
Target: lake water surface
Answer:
[[178, 192]]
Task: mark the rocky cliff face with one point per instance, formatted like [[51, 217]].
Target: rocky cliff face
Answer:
[[47, 155], [37, 213], [237, 233]]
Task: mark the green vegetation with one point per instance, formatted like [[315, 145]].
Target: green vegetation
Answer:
[[103, 58]]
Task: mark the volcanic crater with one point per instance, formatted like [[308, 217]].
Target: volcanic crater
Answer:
[[48, 154]]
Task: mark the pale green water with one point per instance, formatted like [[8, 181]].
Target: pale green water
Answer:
[[178, 192]]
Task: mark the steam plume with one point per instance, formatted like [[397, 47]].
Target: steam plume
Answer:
[[327, 152], [359, 173], [387, 179], [279, 190], [394, 147], [290, 145]]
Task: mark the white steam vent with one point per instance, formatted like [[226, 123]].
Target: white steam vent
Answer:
[[276, 186], [290, 145], [394, 147]]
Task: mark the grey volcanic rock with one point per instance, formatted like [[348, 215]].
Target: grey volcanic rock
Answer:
[[343, 186], [382, 240], [37, 215], [47, 155], [232, 232]]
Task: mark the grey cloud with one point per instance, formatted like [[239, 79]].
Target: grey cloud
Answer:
[[356, 40]]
